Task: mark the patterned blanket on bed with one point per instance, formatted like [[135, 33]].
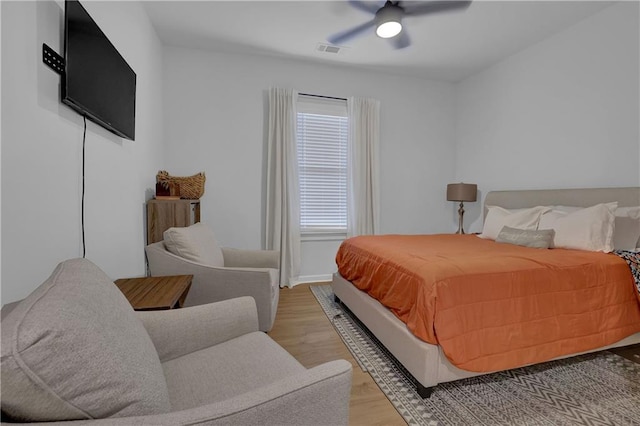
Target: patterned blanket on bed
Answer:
[[633, 260]]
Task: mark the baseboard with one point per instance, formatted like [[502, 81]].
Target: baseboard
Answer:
[[304, 279]]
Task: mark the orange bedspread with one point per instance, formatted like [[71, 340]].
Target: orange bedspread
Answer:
[[493, 306]]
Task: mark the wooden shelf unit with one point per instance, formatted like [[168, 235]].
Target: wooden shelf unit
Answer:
[[165, 214]]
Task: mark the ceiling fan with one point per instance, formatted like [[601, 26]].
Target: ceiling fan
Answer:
[[388, 18]]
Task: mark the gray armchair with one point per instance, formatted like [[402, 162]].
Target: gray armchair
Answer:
[[74, 353], [227, 274]]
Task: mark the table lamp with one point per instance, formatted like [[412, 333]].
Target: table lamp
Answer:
[[461, 192]]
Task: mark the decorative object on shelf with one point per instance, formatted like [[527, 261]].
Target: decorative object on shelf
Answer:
[[188, 187], [162, 189], [167, 191], [461, 192]]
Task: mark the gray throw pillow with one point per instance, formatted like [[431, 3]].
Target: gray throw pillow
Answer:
[[542, 238], [626, 234], [75, 349]]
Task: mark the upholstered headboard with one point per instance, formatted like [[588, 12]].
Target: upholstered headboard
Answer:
[[582, 197]]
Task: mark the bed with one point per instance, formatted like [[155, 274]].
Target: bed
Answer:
[[428, 362]]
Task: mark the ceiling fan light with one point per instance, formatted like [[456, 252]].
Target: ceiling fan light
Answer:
[[388, 20], [389, 29]]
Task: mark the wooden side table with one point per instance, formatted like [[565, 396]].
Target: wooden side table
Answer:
[[155, 293]]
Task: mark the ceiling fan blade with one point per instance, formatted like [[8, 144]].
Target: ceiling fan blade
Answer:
[[345, 35], [400, 41], [425, 7], [366, 6]]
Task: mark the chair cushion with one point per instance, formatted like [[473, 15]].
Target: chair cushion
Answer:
[[196, 243], [74, 349], [219, 372]]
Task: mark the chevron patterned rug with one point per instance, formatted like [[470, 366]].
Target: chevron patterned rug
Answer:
[[593, 389]]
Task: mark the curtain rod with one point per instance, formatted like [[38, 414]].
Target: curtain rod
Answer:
[[322, 96]]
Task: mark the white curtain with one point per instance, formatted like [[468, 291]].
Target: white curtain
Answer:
[[282, 225], [363, 203]]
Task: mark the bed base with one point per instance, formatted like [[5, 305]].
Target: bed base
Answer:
[[424, 392], [425, 362]]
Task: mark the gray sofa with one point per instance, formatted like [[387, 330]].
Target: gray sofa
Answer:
[[219, 273], [75, 352]]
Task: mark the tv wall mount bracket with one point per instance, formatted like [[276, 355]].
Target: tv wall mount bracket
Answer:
[[51, 59]]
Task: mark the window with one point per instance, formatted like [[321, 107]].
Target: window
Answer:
[[322, 128]]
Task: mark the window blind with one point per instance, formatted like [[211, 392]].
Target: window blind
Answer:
[[322, 167]]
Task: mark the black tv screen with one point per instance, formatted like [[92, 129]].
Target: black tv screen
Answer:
[[98, 82]]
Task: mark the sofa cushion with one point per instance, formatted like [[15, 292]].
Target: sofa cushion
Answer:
[[74, 349], [196, 243], [193, 380]]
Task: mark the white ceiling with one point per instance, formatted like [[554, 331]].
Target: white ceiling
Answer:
[[448, 46]]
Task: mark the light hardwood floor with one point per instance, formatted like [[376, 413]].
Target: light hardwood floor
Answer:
[[302, 328]]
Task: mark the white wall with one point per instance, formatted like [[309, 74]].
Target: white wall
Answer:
[[563, 113], [41, 150], [215, 119]]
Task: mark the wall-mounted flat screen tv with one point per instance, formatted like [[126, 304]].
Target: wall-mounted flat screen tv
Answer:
[[98, 82]]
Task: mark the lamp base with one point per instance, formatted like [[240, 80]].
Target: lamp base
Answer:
[[460, 216]]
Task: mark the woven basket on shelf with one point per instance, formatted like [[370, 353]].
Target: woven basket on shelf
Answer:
[[191, 187]]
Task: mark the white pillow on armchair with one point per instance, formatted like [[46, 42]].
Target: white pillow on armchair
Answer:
[[196, 243]]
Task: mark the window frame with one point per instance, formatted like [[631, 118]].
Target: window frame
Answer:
[[331, 107]]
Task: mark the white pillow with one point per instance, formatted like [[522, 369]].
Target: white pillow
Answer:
[[632, 212], [497, 218], [196, 243], [566, 209], [626, 233], [590, 228]]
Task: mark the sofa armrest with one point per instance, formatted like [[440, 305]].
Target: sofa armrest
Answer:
[[213, 284], [178, 332], [251, 258], [317, 396], [8, 308]]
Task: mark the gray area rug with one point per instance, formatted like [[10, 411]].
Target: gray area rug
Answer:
[[593, 389]]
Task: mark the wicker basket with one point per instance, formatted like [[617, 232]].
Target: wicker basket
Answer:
[[191, 187]]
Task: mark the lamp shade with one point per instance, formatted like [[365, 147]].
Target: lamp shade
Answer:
[[462, 192]]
